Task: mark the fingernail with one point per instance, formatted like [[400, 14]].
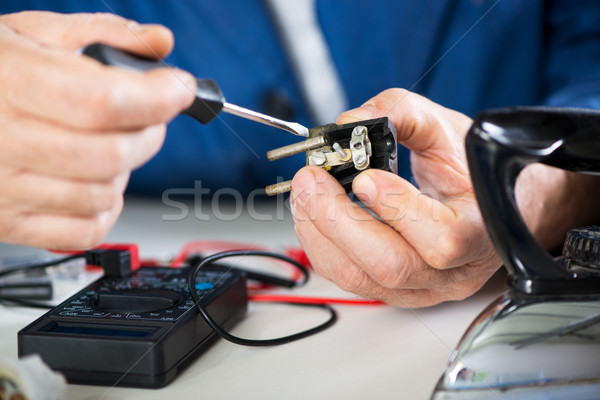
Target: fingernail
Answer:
[[364, 188], [139, 28], [186, 84], [187, 79], [366, 111], [293, 204], [133, 25], [303, 186]]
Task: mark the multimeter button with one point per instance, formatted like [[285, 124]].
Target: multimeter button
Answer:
[[137, 301], [204, 285]]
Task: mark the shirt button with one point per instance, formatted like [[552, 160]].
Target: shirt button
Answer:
[[278, 104]]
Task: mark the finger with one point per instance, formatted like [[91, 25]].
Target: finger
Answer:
[[73, 31], [52, 150], [56, 231], [445, 235], [420, 123], [328, 260], [372, 245], [48, 84], [419, 298], [21, 193], [333, 264]]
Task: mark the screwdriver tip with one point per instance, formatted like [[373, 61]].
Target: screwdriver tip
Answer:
[[292, 127]]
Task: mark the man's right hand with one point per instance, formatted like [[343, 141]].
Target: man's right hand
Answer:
[[71, 129]]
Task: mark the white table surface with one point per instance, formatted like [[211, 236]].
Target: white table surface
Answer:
[[374, 352]]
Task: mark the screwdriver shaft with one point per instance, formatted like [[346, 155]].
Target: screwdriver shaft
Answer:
[[292, 127]]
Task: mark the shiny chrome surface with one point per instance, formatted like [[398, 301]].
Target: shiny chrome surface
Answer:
[[528, 348], [292, 127]]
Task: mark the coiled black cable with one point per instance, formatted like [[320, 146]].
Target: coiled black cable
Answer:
[[256, 342]]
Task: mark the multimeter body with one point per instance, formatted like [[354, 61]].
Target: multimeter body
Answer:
[[139, 330]]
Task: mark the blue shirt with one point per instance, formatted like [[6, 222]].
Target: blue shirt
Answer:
[[465, 55]]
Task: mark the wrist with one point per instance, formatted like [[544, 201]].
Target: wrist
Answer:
[[552, 201]]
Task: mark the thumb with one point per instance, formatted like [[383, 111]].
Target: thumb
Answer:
[[73, 31], [421, 124], [442, 232], [362, 113]]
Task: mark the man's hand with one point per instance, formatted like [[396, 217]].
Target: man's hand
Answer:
[[71, 129], [427, 244]]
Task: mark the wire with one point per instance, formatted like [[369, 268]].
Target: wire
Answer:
[[269, 279], [25, 303], [257, 342], [10, 301], [194, 251], [281, 298], [46, 264]]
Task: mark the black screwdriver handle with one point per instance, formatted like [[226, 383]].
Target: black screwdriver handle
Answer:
[[209, 97]]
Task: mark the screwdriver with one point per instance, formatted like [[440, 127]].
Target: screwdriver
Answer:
[[209, 101]]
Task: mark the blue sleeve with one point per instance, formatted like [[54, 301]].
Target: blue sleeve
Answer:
[[572, 48]]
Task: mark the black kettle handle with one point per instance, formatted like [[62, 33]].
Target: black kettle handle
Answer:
[[499, 145]]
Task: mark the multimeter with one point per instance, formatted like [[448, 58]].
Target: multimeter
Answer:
[[138, 330]]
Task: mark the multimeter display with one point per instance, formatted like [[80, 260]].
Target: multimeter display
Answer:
[[139, 330]]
